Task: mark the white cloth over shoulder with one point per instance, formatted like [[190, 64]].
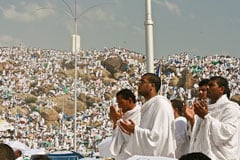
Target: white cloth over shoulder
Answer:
[[182, 138], [217, 135], [137, 157], [156, 134], [104, 146], [120, 140], [19, 158], [115, 146]]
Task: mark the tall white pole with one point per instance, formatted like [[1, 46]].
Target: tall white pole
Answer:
[[75, 81], [76, 48], [149, 37]]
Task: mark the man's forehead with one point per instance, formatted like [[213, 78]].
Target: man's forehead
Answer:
[[204, 86], [144, 77], [212, 82]]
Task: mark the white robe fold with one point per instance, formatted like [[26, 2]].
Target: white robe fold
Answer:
[[120, 140], [156, 134], [182, 138], [217, 135], [115, 146]]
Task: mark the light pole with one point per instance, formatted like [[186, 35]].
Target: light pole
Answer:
[[75, 79], [149, 36], [75, 50]]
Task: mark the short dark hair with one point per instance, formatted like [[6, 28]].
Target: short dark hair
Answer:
[[194, 156], [126, 94], [222, 82], [176, 103], [203, 82], [153, 78], [6, 152]]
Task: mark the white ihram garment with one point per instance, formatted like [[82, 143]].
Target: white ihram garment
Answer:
[[217, 135], [115, 146], [182, 138], [120, 140], [156, 134]]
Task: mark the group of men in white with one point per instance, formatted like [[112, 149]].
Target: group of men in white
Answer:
[[212, 128], [151, 135]]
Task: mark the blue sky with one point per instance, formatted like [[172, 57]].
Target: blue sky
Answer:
[[199, 27]]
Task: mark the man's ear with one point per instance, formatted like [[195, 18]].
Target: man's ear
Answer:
[[152, 85], [222, 89], [130, 100]]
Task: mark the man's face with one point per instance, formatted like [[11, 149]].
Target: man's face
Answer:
[[202, 92], [123, 104], [143, 86], [214, 91]]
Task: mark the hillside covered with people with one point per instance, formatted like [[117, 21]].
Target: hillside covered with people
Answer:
[[38, 91]]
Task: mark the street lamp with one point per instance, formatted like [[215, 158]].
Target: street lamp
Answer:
[[76, 45], [75, 78], [75, 49]]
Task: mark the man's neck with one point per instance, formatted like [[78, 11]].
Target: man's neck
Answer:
[[150, 96]]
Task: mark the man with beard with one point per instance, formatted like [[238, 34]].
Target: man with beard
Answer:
[[155, 136]]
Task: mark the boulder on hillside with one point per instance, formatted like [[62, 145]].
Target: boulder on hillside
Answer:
[[106, 73], [174, 81], [3, 109], [92, 99], [53, 123], [108, 96], [2, 66], [61, 74], [44, 89], [82, 97], [68, 64], [167, 69], [117, 75], [107, 81], [49, 114], [189, 81], [19, 110], [66, 104], [114, 64]]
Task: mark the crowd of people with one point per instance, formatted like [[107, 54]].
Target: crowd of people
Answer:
[[21, 67], [209, 128]]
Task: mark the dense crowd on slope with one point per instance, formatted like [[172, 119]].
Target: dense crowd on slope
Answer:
[[20, 67]]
